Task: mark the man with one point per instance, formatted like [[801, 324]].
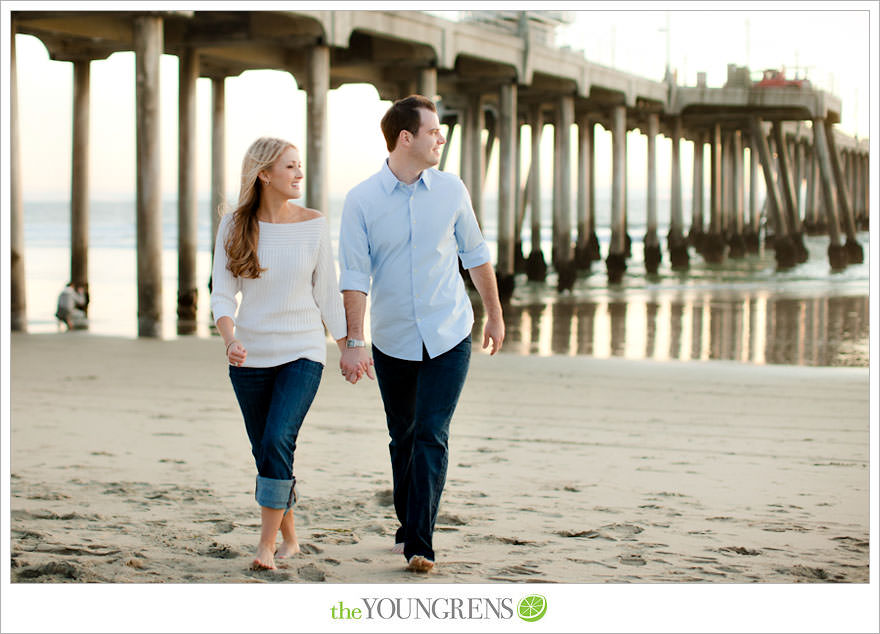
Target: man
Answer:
[[406, 228]]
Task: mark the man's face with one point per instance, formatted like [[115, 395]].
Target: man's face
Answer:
[[426, 145]]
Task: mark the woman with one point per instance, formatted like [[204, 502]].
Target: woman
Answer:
[[278, 256]]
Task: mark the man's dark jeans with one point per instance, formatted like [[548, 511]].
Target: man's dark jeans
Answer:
[[420, 398]]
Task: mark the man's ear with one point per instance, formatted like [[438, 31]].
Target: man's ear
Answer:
[[404, 138]]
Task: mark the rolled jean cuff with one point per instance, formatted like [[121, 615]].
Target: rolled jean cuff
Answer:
[[275, 494]]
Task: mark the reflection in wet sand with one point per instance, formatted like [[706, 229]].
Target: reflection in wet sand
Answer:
[[754, 327]]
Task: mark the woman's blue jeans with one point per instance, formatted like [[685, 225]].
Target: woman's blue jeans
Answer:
[[274, 402], [419, 399]]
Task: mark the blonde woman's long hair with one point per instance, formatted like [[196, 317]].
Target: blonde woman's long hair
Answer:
[[244, 234]]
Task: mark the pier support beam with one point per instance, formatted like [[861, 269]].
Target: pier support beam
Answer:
[[563, 261], [788, 194], [519, 203], [854, 252], [752, 235], [218, 154], [697, 234], [318, 85], [79, 181], [536, 266], [506, 188], [837, 254], [472, 153], [735, 238], [587, 249], [652, 244], [187, 210], [17, 289], [676, 242], [616, 261], [812, 223], [714, 246], [148, 46], [428, 83], [785, 250]]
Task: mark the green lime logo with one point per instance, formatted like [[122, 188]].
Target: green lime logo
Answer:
[[532, 608]]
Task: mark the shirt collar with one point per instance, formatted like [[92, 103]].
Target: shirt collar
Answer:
[[390, 181]]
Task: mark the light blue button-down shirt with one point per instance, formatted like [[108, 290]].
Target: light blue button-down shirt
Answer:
[[408, 239]]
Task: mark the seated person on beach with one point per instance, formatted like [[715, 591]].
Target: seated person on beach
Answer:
[[72, 304]]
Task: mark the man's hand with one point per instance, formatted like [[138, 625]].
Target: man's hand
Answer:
[[354, 363], [494, 330]]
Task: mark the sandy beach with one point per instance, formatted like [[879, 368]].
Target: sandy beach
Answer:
[[129, 463]]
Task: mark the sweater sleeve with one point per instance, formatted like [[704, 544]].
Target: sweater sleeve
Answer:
[[224, 285], [325, 288]]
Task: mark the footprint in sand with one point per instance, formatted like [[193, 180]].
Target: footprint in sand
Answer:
[[310, 549], [632, 560], [311, 572], [54, 569], [221, 551]]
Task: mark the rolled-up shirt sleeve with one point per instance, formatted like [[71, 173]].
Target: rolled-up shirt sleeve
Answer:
[[354, 249], [224, 285], [472, 248]]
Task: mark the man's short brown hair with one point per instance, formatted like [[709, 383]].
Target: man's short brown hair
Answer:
[[404, 115]]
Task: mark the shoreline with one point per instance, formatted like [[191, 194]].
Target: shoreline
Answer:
[[131, 466]]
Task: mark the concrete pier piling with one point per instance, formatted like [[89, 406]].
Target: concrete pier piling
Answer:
[[587, 247], [187, 210], [837, 254], [79, 180], [652, 253], [536, 265], [676, 242], [736, 239], [715, 246], [697, 234], [789, 199], [17, 288], [218, 154], [752, 234], [563, 258], [615, 263], [317, 87], [854, 252], [148, 44], [785, 251], [507, 186]]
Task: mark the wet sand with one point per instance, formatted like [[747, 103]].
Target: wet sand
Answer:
[[130, 464]]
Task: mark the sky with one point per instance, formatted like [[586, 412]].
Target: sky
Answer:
[[830, 46]]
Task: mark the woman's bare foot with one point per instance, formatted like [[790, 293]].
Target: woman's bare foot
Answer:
[[287, 549], [265, 558]]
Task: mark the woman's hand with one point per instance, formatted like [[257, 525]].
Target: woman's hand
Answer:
[[236, 353]]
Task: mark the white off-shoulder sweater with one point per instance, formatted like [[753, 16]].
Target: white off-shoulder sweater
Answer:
[[278, 315]]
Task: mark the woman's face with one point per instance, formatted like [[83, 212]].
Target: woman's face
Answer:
[[285, 175]]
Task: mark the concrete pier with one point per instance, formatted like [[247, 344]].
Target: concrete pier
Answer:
[[715, 246], [837, 254], [187, 210], [587, 248], [507, 186], [472, 159], [79, 179], [752, 234], [785, 251], [652, 254], [854, 251], [536, 265], [17, 292], [736, 240], [318, 85], [677, 244], [697, 234], [789, 199], [615, 263], [148, 45], [218, 153], [563, 260]]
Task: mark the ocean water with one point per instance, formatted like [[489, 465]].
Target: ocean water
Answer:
[[742, 310]]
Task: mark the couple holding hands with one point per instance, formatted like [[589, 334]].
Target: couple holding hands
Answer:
[[402, 233]]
